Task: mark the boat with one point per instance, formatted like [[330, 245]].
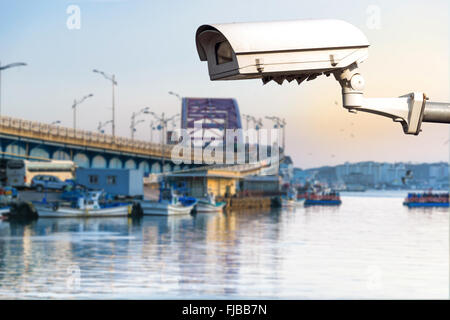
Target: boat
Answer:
[[168, 204], [209, 204], [427, 199], [7, 194], [4, 209], [291, 200], [326, 198], [87, 205]]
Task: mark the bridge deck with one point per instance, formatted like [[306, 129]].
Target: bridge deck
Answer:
[[57, 134]]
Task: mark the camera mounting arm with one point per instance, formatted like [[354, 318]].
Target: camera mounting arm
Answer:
[[410, 110]]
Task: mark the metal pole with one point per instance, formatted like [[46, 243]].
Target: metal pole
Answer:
[[0, 89], [438, 112], [74, 115], [151, 131], [132, 126], [162, 141], [113, 110]]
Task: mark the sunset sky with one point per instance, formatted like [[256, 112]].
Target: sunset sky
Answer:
[[150, 47]]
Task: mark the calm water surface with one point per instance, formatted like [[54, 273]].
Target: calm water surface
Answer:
[[370, 247]]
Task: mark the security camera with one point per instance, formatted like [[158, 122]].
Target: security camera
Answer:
[[277, 51], [303, 50]]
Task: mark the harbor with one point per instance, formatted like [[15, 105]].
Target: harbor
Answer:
[[306, 253]]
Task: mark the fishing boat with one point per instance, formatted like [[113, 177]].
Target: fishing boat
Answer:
[[291, 199], [427, 199], [87, 205], [209, 204], [4, 211], [168, 204], [7, 194], [330, 198]]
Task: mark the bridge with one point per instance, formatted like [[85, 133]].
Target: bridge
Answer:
[[25, 139], [215, 115]]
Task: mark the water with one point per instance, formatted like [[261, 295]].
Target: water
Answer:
[[370, 247]]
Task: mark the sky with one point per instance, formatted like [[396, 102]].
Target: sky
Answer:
[[150, 47]]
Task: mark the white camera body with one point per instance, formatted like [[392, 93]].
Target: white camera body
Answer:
[[279, 50]]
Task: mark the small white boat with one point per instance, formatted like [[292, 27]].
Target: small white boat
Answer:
[[169, 204], [7, 194], [288, 203], [164, 208], [291, 200], [87, 206], [209, 205], [4, 210]]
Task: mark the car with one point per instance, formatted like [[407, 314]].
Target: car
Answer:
[[41, 182]]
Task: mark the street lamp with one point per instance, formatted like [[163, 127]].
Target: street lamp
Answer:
[[279, 123], [163, 123], [133, 130], [74, 108], [11, 65], [134, 123], [248, 118], [111, 78], [55, 122], [175, 94], [101, 125]]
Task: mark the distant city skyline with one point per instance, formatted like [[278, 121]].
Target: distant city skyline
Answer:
[[150, 48], [370, 174]]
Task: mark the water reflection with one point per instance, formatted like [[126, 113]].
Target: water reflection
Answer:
[[368, 247]]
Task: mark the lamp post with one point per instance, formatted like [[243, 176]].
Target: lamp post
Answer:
[[55, 122], [133, 120], [163, 123], [151, 131], [111, 78], [101, 125], [279, 123], [134, 128], [11, 65], [248, 118], [74, 108], [175, 94]]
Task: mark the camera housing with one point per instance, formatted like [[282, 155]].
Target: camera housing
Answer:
[[302, 50], [284, 50]]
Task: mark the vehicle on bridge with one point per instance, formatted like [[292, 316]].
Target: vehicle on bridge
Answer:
[[20, 173], [41, 182]]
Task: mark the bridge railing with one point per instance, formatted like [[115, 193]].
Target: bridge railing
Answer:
[[55, 133], [83, 137]]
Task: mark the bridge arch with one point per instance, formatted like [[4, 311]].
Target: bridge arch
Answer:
[[176, 168], [60, 155], [144, 167], [38, 152], [98, 162], [16, 149], [167, 168], [156, 168], [130, 164], [81, 160], [115, 163]]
